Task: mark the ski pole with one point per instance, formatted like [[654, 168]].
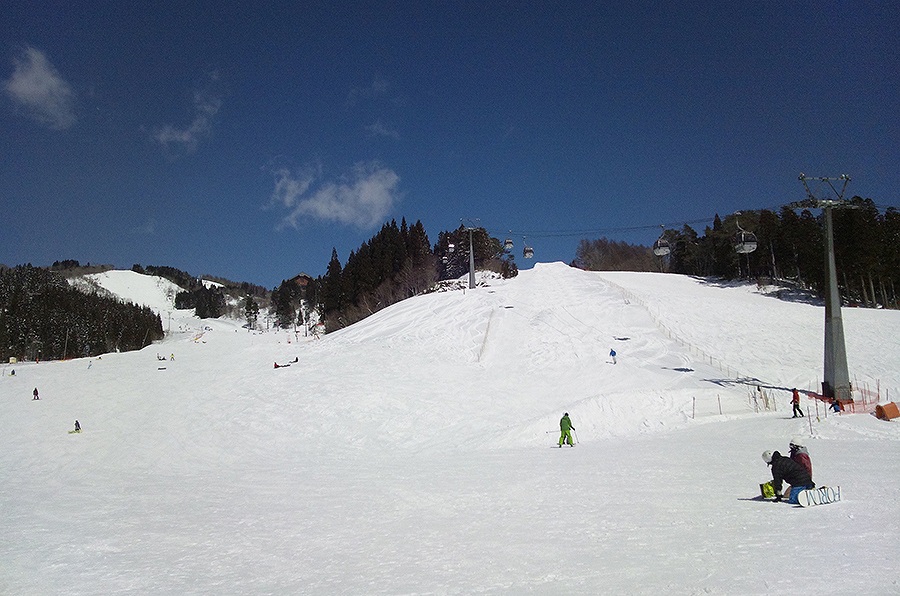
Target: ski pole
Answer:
[[576, 436]]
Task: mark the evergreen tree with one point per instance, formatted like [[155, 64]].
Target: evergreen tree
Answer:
[[332, 293], [251, 311]]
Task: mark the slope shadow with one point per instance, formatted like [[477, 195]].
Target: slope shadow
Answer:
[[784, 290], [752, 381]]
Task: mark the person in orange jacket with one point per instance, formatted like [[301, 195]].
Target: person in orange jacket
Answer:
[[795, 399]]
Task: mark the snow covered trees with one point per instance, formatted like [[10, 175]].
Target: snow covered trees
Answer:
[[207, 302], [41, 316], [867, 250]]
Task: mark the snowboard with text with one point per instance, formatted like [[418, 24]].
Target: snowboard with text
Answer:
[[819, 496]]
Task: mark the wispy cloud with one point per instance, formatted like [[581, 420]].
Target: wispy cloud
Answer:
[[38, 88], [378, 88], [363, 197], [147, 229], [378, 129], [207, 103]]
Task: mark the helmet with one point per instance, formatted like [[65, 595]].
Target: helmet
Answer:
[[767, 456], [798, 442]]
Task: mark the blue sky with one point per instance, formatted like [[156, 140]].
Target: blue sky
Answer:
[[247, 139]]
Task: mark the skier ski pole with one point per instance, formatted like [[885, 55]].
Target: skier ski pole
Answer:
[[576, 436]]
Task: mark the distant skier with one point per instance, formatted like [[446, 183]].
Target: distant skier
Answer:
[[835, 405], [77, 427], [795, 399], [612, 354], [36, 396], [566, 428], [786, 469]]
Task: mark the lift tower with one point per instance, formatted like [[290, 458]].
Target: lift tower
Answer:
[[836, 378]]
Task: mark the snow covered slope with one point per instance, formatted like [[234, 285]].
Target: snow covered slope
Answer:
[[410, 453], [145, 290], [153, 291]]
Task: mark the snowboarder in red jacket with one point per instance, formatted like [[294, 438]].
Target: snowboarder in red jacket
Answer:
[[795, 399]]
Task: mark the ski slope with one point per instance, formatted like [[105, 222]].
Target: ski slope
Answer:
[[411, 453]]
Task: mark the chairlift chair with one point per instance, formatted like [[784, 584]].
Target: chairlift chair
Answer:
[[508, 244], [745, 242], [661, 247], [527, 251]]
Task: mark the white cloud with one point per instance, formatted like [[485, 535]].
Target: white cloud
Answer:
[[206, 106], [363, 197], [38, 87], [380, 130], [378, 88], [290, 188]]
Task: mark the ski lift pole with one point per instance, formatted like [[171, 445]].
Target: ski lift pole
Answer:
[[471, 262], [470, 226]]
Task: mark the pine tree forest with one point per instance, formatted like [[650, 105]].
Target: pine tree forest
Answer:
[[397, 263], [42, 317], [790, 249]]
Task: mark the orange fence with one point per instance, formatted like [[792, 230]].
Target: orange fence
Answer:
[[866, 403]]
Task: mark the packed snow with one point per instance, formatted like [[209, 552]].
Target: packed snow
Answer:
[[416, 452]]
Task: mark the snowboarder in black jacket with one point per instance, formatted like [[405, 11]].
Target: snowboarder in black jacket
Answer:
[[786, 469]]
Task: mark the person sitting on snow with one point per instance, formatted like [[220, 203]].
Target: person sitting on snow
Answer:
[[566, 428], [800, 455], [786, 469]]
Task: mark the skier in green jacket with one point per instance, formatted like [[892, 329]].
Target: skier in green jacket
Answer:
[[566, 428]]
